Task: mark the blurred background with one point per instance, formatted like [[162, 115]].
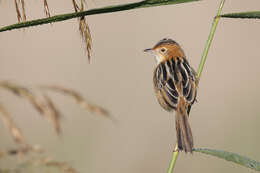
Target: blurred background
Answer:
[[119, 77]]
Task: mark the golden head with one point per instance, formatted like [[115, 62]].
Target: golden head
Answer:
[[166, 49]]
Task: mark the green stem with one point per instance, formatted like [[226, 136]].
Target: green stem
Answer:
[[200, 69], [108, 9], [210, 38], [174, 159]]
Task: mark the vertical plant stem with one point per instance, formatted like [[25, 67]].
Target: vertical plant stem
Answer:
[[174, 159], [200, 69], [210, 38]]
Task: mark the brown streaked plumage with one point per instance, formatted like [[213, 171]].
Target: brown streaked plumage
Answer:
[[175, 86]]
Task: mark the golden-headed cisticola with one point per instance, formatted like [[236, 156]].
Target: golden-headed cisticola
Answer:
[[175, 85]]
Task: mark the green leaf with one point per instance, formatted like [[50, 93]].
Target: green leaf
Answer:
[[233, 157], [108, 9], [247, 15]]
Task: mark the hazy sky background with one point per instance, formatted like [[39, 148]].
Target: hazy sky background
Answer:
[[119, 78]]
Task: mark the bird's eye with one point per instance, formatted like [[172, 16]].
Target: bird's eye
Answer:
[[163, 50]]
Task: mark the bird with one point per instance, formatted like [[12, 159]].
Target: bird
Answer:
[[175, 85]]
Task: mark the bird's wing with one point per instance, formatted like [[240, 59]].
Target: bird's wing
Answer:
[[188, 75], [175, 78]]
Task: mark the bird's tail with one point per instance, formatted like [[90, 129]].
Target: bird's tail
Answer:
[[183, 129]]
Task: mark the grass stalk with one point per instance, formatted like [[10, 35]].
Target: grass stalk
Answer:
[[103, 10], [210, 38], [200, 69], [174, 159]]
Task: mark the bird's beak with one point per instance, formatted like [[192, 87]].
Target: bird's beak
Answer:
[[149, 51]]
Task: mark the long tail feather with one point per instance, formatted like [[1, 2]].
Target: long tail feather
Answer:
[[183, 130]]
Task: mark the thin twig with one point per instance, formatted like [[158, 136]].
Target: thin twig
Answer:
[[174, 159], [210, 38], [200, 69], [108, 9]]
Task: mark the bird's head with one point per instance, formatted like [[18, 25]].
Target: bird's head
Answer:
[[165, 49]]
